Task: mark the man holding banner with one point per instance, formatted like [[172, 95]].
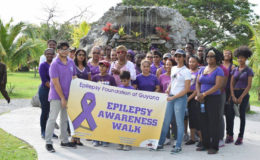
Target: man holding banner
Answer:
[[62, 70]]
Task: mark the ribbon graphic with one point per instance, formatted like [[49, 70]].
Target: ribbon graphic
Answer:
[[88, 103]]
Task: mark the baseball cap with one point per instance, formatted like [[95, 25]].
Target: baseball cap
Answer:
[[180, 51], [104, 62], [167, 55]]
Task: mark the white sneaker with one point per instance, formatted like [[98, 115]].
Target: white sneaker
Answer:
[[167, 141], [120, 147], [221, 143], [127, 148], [186, 137]]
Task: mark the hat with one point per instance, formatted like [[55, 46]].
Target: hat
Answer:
[[167, 55], [180, 51], [130, 51], [104, 62]]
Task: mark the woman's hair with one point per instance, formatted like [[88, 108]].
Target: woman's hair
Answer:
[[121, 47], [145, 61], [231, 59], [172, 61], [49, 49], [51, 40], [157, 53], [76, 59], [218, 55], [195, 57], [243, 51], [125, 75]]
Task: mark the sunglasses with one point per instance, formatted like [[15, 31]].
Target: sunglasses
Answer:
[[81, 55], [210, 56], [156, 57], [121, 52], [96, 52], [149, 57]]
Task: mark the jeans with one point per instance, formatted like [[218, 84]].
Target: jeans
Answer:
[[176, 107], [45, 107], [230, 114]]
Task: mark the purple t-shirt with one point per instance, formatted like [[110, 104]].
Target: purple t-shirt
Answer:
[[44, 73], [93, 69], [242, 82], [83, 74], [164, 81], [126, 87], [146, 83], [209, 80], [193, 80], [107, 79], [154, 68], [64, 73]]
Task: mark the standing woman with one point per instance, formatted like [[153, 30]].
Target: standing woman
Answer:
[[45, 88], [146, 81], [93, 63], [209, 83], [177, 100], [240, 85]]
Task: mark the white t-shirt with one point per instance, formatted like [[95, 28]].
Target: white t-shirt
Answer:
[[178, 78], [129, 65], [42, 59]]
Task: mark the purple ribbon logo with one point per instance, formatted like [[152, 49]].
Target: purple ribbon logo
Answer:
[[88, 103]]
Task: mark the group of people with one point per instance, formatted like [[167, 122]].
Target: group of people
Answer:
[[202, 87]]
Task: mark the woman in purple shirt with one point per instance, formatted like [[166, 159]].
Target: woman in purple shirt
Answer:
[[82, 69], [240, 85], [93, 64], [45, 88], [209, 82]]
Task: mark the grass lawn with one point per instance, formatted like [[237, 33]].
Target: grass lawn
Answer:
[[24, 83], [12, 148]]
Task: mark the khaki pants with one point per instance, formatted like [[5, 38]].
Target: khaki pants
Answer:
[[55, 109]]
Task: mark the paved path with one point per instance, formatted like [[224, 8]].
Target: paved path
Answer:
[[24, 123]]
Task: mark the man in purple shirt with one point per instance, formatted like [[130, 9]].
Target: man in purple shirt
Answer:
[[62, 70], [156, 62]]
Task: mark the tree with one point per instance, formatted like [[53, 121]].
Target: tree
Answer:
[[213, 20], [16, 47], [79, 32]]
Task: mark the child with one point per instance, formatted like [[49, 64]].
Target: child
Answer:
[[125, 80], [107, 79]]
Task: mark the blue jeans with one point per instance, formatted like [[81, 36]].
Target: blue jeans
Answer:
[[45, 106], [176, 107]]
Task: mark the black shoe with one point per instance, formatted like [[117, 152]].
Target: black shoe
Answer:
[[201, 148], [69, 144], [190, 142], [50, 148], [8, 100], [212, 151], [55, 136], [199, 144], [159, 147]]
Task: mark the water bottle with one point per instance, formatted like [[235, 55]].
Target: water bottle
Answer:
[[202, 108]]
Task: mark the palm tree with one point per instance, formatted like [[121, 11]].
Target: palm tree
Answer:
[[17, 46]]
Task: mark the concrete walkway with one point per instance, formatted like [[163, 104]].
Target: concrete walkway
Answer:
[[24, 124]]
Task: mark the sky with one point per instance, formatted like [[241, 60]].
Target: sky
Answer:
[[33, 11]]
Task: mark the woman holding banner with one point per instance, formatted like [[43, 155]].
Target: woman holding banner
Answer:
[[177, 100]]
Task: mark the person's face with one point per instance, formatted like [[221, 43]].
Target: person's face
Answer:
[[211, 58], [168, 65], [149, 57], [64, 51], [52, 45], [227, 55], [179, 58], [121, 54], [81, 56], [102, 55], [129, 57], [156, 59], [241, 60], [108, 51], [200, 52], [165, 59], [49, 55], [188, 48], [172, 52], [72, 54], [193, 63], [138, 60], [125, 82], [145, 67], [96, 54], [113, 56], [102, 68]]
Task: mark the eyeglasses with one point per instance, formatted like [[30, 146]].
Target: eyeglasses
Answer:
[[49, 54], [210, 56], [96, 53], [121, 52], [149, 57], [123, 80], [64, 50], [156, 57], [200, 50], [81, 55], [177, 56]]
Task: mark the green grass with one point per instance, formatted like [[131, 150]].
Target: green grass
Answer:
[[24, 83], [12, 148], [254, 97]]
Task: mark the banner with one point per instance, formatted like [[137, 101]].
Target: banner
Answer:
[[117, 115]]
